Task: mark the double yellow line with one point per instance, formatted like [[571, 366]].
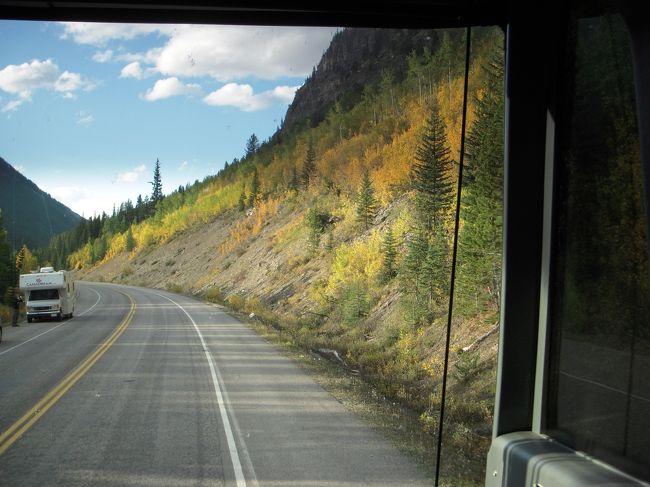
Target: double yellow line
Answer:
[[18, 429]]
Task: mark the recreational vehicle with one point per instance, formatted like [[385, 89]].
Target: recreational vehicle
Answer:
[[48, 294]]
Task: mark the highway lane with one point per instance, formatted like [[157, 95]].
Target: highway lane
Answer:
[[36, 356], [187, 395]]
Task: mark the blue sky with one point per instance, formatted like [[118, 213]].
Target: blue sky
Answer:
[[86, 109]]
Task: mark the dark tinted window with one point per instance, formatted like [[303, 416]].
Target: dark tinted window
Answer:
[[43, 294], [599, 389]]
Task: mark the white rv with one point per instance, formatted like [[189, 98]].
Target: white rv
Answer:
[[48, 294]]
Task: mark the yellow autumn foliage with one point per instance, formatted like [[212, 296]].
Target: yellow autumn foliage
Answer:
[[359, 261], [251, 225]]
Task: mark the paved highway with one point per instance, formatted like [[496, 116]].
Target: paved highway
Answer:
[[148, 388]]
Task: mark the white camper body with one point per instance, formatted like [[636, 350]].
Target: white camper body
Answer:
[[48, 294]]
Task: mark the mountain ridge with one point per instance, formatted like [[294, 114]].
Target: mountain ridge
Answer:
[[356, 57], [31, 216]]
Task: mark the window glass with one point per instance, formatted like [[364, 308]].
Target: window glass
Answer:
[[599, 392], [43, 294]]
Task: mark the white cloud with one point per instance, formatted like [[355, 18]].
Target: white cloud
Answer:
[[229, 53], [26, 77], [132, 70], [225, 53], [84, 118], [165, 88], [13, 105], [98, 34], [103, 56], [244, 97], [131, 176], [183, 165], [23, 79], [68, 82]]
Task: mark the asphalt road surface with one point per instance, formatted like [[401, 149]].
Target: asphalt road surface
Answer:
[[148, 388]]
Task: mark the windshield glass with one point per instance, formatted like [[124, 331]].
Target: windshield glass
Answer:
[[238, 205], [43, 294]]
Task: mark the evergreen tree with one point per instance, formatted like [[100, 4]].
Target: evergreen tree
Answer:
[[481, 237], [316, 222], [389, 257], [435, 267], [354, 302], [255, 189], [430, 175], [140, 211], [366, 202], [252, 146], [413, 277], [6, 260], [308, 166], [156, 184], [130, 241], [294, 183], [242, 199]]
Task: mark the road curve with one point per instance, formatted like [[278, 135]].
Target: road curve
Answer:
[[185, 395]]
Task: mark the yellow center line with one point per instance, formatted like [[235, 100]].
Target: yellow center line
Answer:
[[9, 437]]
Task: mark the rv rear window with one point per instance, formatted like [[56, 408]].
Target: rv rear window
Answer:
[[43, 294]]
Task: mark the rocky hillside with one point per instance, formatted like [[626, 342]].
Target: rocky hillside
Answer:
[[355, 59]]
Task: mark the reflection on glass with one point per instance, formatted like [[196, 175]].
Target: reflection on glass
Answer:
[[599, 396]]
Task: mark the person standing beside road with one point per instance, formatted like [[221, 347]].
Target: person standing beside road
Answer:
[[15, 302]]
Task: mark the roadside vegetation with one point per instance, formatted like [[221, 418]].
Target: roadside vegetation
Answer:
[[338, 237]]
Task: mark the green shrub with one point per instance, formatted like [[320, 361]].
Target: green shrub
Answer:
[[173, 287], [214, 295], [467, 365]]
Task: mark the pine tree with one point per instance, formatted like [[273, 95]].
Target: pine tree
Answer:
[[414, 282], [130, 241], [242, 199], [316, 223], [481, 237], [308, 166], [389, 257], [5, 260], [430, 175], [366, 202], [255, 189], [294, 183], [252, 146], [435, 267], [156, 184]]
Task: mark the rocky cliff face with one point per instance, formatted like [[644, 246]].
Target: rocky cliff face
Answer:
[[356, 57]]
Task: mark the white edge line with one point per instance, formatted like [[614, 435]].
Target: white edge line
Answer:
[[99, 298], [604, 386], [214, 371]]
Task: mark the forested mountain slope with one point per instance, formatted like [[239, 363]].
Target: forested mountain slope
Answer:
[[338, 231], [31, 216]]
